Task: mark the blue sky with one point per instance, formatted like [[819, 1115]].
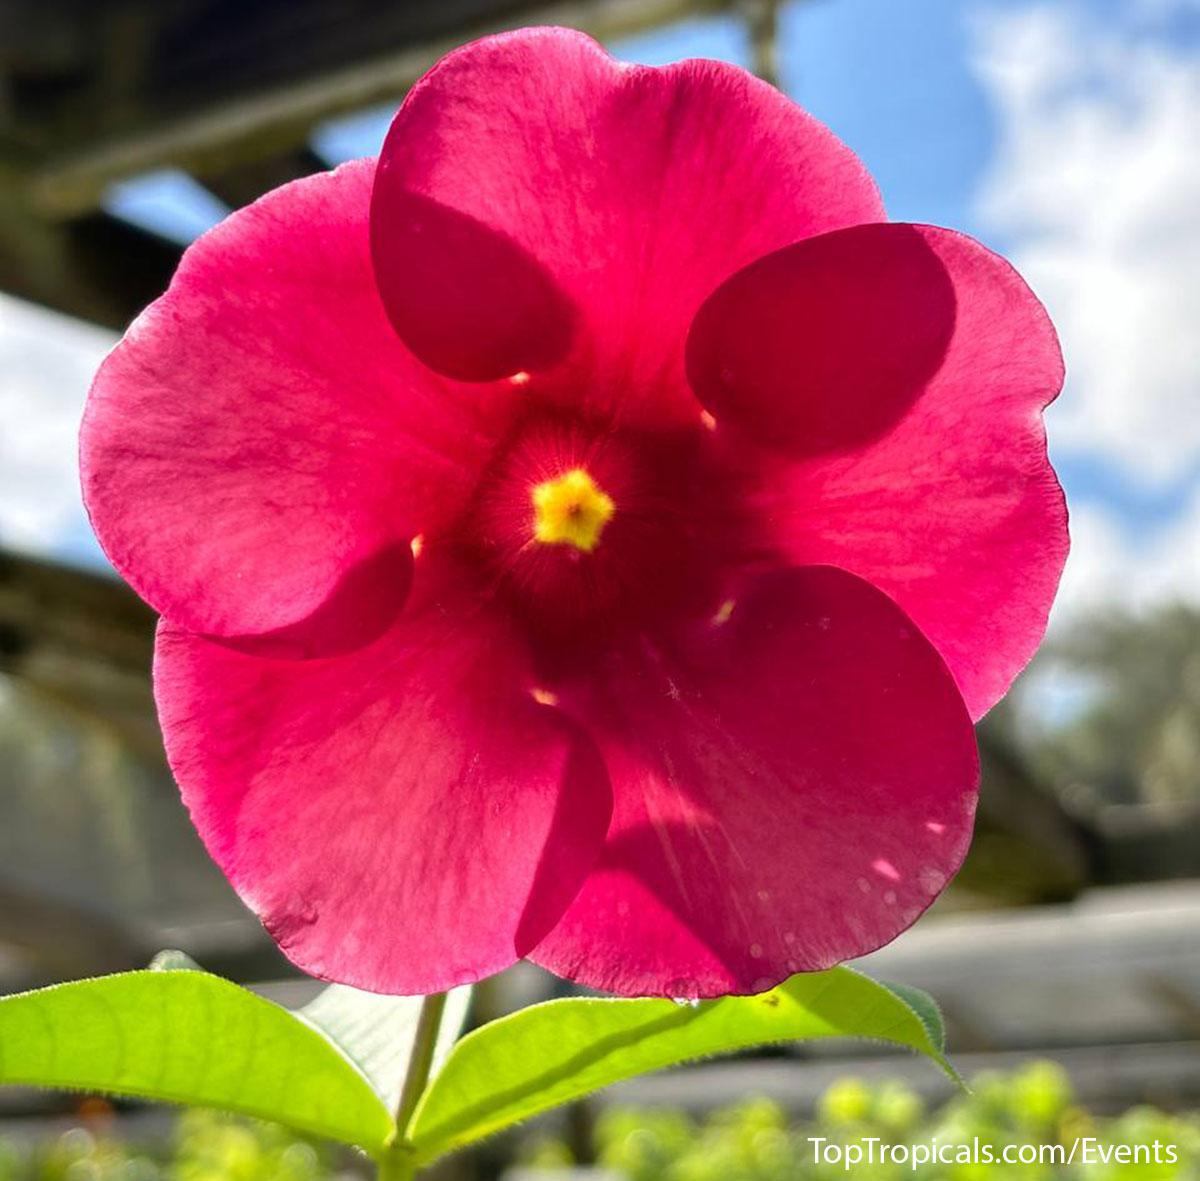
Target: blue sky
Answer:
[[1053, 130]]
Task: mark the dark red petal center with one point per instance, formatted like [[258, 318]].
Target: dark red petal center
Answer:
[[585, 529]]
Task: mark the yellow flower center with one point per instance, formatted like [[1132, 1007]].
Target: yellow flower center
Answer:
[[571, 510]]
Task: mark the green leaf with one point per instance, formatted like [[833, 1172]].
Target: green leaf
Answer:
[[925, 1007], [184, 1036], [376, 1032], [551, 1053]]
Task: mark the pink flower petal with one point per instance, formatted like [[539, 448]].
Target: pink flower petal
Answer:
[[954, 510], [538, 202], [259, 449], [466, 298], [826, 344], [403, 818], [793, 783]]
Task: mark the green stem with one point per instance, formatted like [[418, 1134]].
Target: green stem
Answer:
[[398, 1162], [395, 1165]]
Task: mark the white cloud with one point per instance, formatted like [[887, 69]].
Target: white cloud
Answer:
[[1097, 181], [1114, 567], [46, 364]]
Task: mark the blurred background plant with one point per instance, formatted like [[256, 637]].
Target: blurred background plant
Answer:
[[203, 1146], [755, 1141], [1134, 735]]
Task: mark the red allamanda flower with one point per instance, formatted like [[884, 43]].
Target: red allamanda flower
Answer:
[[585, 534]]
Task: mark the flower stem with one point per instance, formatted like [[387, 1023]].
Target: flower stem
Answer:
[[396, 1165], [397, 1162]]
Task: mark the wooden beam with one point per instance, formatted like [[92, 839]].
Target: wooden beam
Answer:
[[239, 186], [225, 136], [88, 615], [98, 267], [762, 22]]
